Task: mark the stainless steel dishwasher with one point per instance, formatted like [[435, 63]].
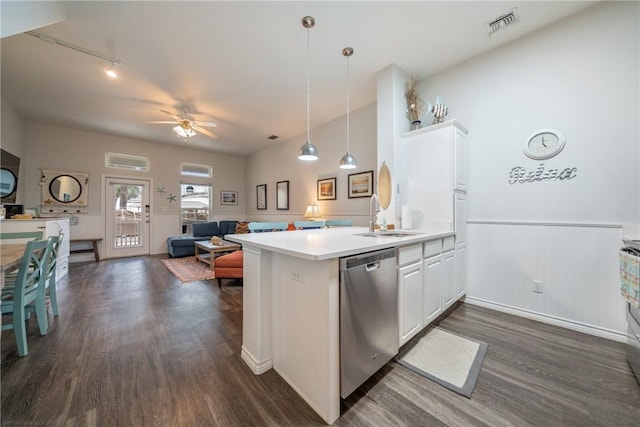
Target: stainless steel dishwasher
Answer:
[[368, 316]]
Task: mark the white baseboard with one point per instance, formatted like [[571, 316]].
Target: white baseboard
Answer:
[[256, 367], [552, 320]]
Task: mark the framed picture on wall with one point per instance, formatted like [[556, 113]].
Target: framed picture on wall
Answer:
[[327, 189], [360, 184], [261, 196], [282, 195], [228, 197]]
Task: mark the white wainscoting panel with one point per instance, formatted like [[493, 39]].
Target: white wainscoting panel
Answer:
[[578, 265]]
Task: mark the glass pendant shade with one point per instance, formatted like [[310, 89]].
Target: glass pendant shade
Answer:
[[184, 132], [348, 162]]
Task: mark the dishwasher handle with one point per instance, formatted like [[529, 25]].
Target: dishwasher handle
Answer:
[[373, 266]]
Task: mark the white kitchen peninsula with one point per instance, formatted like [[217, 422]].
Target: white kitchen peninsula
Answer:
[[291, 304]]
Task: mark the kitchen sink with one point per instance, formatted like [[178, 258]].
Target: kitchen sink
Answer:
[[391, 233]]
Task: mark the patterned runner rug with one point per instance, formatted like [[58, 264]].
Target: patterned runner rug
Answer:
[[451, 360], [188, 269]]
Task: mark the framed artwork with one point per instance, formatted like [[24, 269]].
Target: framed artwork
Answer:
[[361, 184], [228, 197], [282, 195], [261, 196], [327, 189]]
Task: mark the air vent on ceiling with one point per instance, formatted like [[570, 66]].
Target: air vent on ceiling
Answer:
[[503, 21], [126, 161]]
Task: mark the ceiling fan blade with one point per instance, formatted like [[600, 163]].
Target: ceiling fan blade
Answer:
[[162, 122], [206, 124], [167, 112], [205, 132]]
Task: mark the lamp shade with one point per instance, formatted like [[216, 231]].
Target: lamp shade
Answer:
[[348, 162], [183, 132], [312, 211], [308, 152]]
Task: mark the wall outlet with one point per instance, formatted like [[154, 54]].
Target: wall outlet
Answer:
[[537, 286], [297, 276]]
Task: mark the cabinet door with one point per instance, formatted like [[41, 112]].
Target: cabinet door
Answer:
[[460, 161], [460, 218], [432, 288], [409, 301], [461, 271], [449, 276]]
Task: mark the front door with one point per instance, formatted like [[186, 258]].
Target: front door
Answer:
[[127, 216]]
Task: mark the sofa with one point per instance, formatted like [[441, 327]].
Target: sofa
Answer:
[[181, 246]]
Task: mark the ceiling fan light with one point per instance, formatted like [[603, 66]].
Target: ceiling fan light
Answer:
[[184, 132], [348, 162], [308, 152]]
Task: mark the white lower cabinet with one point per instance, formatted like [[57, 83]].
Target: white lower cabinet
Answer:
[[428, 286], [410, 300], [449, 277], [461, 271], [49, 227], [432, 288]]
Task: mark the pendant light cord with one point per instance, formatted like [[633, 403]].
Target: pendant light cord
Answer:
[[348, 80], [308, 83]]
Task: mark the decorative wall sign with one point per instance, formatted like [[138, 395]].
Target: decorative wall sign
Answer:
[[261, 196], [282, 195], [520, 175]]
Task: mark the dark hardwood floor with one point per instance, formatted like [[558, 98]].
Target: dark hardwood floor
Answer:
[[135, 347]]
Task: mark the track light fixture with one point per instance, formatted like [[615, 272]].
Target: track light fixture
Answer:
[[48, 39]]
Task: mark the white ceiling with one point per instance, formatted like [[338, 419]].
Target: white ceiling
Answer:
[[240, 64]]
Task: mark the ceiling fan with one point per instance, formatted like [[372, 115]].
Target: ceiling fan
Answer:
[[186, 125]]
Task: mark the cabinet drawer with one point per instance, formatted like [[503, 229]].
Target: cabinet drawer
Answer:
[[432, 248], [407, 254], [448, 243]]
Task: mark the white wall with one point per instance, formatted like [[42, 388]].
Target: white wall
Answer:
[[65, 149], [12, 128], [280, 163], [580, 76]]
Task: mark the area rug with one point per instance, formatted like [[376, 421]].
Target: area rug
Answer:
[[451, 360], [188, 269]]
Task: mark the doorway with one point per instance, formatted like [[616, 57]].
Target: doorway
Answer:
[[127, 217]]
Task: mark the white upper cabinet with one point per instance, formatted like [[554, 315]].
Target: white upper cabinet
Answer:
[[432, 167]]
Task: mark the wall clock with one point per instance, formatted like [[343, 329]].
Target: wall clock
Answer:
[[544, 144]]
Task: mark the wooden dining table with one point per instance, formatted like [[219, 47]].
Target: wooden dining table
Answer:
[[10, 257]]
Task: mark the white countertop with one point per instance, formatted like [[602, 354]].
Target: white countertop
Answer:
[[327, 243]]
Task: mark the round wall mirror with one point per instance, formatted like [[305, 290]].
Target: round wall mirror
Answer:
[[8, 183], [65, 188]]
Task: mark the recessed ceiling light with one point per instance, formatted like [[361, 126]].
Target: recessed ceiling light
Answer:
[[272, 137]]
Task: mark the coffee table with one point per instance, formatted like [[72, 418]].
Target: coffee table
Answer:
[[205, 250]]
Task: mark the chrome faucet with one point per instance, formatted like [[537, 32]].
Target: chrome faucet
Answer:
[[373, 210]]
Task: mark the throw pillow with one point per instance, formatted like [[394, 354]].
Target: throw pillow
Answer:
[[242, 228]]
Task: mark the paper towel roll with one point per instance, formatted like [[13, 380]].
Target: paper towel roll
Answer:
[[406, 218]]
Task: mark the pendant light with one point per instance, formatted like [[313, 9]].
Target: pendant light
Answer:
[[308, 151], [348, 161]]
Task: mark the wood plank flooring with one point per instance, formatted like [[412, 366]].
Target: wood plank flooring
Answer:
[[135, 347]]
